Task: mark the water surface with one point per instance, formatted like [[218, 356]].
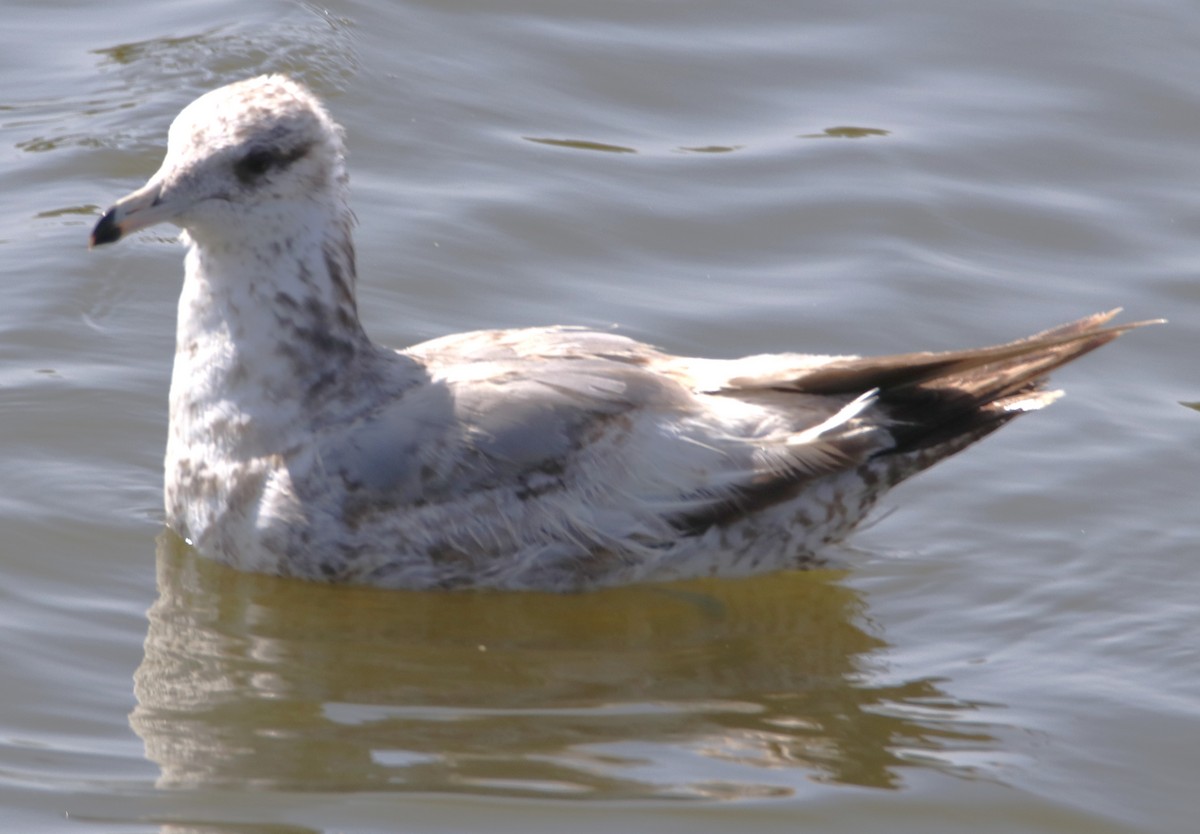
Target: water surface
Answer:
[[1012, 647]]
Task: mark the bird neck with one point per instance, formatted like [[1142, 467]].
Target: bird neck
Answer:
[[267, 329]]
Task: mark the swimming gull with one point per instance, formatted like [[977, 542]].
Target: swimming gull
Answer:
[[551, 458]]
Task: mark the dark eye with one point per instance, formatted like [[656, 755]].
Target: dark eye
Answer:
[[258, 161], [254, 164]]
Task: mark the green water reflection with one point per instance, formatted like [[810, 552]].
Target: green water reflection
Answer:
[[711, 689]]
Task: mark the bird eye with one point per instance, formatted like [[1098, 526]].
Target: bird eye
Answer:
[[254, 164]]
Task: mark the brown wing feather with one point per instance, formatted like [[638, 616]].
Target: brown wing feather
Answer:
[[1039, 354]]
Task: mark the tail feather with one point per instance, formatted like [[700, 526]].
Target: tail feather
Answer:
[[931, 404]]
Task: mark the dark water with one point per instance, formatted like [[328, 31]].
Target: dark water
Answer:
[[1014, 648]]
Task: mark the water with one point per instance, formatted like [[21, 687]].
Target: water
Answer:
[[1013, 648]]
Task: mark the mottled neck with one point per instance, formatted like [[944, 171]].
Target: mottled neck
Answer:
[[267, 328]]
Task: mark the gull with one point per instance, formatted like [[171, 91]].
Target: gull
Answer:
[[551, 458]]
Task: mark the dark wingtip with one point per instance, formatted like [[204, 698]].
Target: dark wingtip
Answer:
[[106, 231]]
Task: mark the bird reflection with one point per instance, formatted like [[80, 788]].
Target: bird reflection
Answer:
[[728, 689]]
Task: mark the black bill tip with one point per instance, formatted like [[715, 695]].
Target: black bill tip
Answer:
[[106, 231]]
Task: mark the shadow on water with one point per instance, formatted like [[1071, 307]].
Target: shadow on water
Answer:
[[710, 689]]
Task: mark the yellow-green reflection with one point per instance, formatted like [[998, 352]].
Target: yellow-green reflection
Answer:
[[846, 132], [580, 144], [712, 689]]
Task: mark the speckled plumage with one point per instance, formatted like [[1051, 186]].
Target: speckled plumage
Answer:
[[550, 458]]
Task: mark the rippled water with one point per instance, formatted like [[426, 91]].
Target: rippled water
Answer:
[[1014, 646]]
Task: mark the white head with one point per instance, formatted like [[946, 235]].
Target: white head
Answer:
[[262, 148]]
